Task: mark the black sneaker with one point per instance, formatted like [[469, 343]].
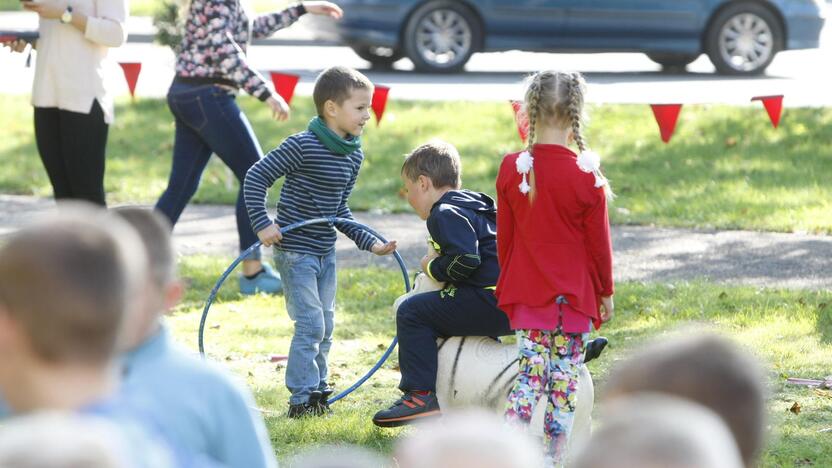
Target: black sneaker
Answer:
[[594, 348], [409, 408], [312, 407], [326, 392]]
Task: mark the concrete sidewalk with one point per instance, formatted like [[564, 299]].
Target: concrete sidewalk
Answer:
[[641, 253]]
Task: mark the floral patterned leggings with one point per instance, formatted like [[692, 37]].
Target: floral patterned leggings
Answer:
[[549, 362]]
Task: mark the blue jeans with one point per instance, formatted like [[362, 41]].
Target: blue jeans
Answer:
[[208, 121], [309, 284]]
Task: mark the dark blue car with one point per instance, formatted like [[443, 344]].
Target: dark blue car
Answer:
[[739, 36]]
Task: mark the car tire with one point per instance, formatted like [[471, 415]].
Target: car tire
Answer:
[[670, 61], [440, 36], [743, 39], [379, 57]]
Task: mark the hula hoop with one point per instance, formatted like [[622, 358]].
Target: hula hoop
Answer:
[[283, 230]]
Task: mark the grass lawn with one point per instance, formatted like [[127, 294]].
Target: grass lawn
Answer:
[[148, 7], [725, 167], [790, 331]]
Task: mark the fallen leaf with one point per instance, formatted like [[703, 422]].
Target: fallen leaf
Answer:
[[822, 393], [723, 295], [730, 142], [215, 326], [381, 346], [795, 408]]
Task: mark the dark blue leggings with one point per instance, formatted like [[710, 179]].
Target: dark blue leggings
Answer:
[[208, 121], [453, 311]]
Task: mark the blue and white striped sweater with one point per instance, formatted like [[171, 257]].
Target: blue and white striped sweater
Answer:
[[318, 183]]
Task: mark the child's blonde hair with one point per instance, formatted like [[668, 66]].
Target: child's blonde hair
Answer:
[[557, 98]]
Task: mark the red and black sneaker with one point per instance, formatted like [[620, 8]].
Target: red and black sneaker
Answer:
[[411, 407]]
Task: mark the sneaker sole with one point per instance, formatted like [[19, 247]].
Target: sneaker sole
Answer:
[[404, 420]]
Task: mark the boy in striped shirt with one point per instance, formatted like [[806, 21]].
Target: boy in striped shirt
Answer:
[[320, 166]]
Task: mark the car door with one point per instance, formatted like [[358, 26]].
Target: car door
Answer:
[[634, 24], [524, 24]]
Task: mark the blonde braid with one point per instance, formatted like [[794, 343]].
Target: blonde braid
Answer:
[[532, 112], [532, 109], [575, 109]]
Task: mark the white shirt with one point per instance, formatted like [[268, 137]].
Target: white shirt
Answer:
[[71, 70]]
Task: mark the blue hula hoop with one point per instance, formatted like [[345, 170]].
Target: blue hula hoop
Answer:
[[283, 230]]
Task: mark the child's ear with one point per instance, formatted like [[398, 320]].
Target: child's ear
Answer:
[[425, 182], [329, 108], [173, 294]]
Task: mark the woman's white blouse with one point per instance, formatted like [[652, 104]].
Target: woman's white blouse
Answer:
[[72, 68]]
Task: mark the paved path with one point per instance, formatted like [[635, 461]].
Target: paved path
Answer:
[[641, 253]]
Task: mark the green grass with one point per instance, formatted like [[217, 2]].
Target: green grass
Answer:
[[790, 331], [148, 7], [725, 167]]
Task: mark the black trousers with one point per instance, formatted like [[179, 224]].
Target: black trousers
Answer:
[[72, 147], [454, 311]]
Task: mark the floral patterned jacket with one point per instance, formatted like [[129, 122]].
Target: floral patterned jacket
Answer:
[[214, 44]]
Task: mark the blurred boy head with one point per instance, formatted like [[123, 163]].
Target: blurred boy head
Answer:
[[342, 97], [428, 172], [467, 439], [706, 369], [658, 431], [65, 289], [61, 440], [161, 289]]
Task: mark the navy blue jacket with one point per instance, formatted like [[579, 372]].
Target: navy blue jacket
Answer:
[[463, 226]]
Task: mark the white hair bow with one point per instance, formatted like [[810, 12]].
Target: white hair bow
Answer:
[[524, 164], [589, 161]]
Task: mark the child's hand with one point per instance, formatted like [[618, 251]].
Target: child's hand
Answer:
[[607, 308], [383, 249], [270, 235], [280, 110], [324, 8]]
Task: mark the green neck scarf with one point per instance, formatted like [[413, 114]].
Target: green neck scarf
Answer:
[[332, 140]]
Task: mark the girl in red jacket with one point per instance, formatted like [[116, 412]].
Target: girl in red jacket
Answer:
[[555, 253]]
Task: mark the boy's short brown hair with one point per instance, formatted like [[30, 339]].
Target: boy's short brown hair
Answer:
[[709, 370], [335, 84], [436, 160], [155, 233], [67, 281]]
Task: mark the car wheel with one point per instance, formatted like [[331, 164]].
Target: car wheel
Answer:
[[381, 57], [441, 36], [672, 61], [743, 39]]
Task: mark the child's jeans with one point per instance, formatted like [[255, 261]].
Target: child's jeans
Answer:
[[309, 283], [549, 365]]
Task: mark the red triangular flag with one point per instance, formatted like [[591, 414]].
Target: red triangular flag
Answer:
[[774, 107], [666, 116], [284, 84], [379, 102], [521, 119], [131, 73]]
